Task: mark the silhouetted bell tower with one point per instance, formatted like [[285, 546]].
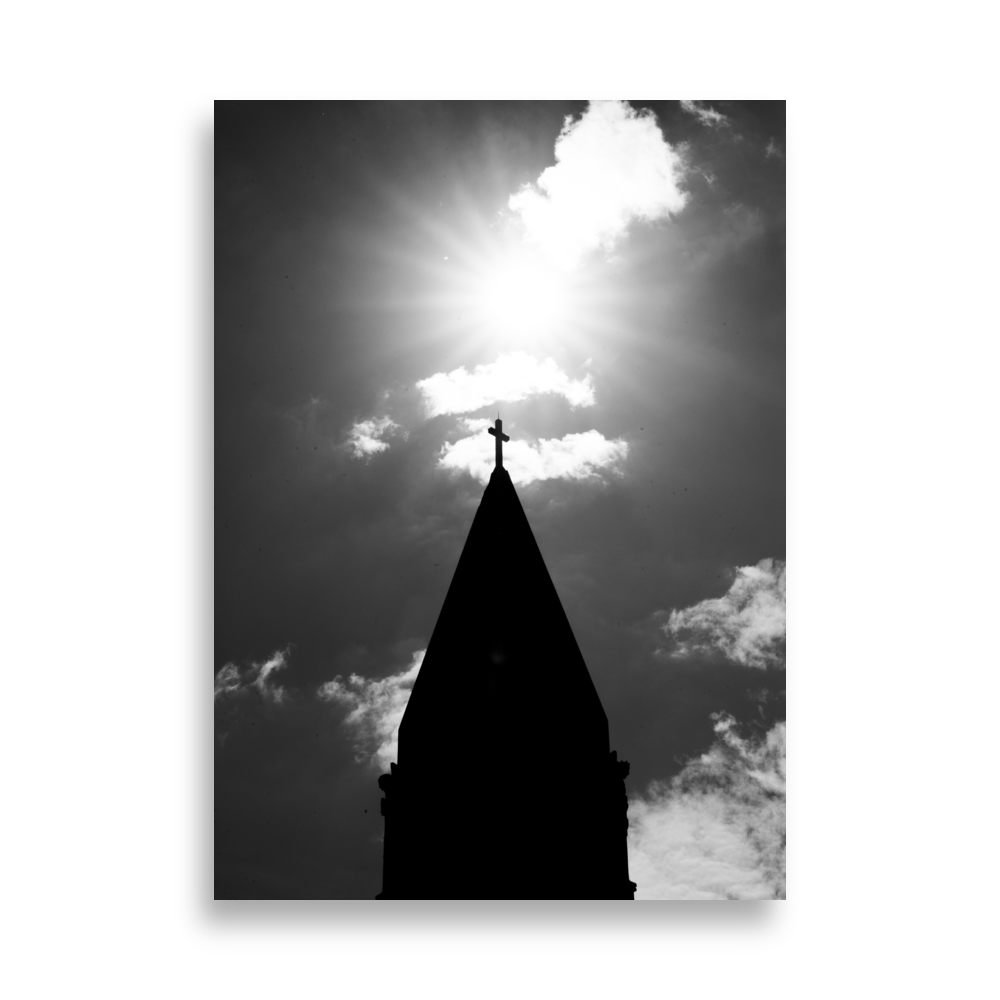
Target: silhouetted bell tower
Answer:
[[505, 786]]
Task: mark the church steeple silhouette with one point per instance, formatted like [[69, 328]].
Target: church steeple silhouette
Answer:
[[505, 786]]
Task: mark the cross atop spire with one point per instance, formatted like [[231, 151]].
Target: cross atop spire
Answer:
[[497, 432]]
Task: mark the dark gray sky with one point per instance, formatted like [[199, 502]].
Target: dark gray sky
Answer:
[[356, 247]]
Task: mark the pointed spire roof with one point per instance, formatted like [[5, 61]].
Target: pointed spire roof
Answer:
[[503, 680]]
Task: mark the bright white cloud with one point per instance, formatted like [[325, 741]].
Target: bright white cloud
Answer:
[[747, 624], [366, 437], [612, 166], [376, 709], [476, 424], [575, 456], [509, 379], [717, 830], [705, 115], [232, 681]]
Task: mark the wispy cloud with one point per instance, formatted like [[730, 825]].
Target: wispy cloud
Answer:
[[509, 379], [736, 226], [612, 166], [707, 116], [376, 709], [367, 437], [233, 681], [747, 624], [574, 456], [717, 830]]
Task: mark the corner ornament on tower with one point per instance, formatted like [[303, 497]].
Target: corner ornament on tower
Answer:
[[497, 431]]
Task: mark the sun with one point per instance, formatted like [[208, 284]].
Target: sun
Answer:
[[492, 292], [519, 297]]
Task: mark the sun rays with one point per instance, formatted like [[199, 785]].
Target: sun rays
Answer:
[[505, 260]]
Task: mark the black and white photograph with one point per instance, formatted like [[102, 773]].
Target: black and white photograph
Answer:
[[500, 500]]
